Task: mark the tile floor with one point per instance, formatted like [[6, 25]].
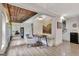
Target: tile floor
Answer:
[[18, 47]]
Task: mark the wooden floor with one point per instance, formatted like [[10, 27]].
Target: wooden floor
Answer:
[[19, 47]]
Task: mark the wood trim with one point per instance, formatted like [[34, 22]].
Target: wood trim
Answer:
[[18, 14]]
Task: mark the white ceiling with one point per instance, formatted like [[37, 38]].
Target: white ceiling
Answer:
[[53, 9]]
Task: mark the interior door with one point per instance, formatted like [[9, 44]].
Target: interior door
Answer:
[[22, 32]]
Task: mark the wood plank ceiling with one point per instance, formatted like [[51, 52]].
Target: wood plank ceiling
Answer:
[[18, 14]]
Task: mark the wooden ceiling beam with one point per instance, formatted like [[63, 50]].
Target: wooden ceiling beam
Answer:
[[18, 14]]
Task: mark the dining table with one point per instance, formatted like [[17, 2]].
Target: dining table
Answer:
[[40, 36]]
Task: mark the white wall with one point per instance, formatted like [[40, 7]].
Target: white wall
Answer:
[[27, 25], [27, 29], [38, 24], [15, 27], [58, 32], [70, 28], [0, 29], [37, 27], [4, 31]]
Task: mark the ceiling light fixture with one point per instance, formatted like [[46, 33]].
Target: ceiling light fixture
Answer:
[[42, 17]]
